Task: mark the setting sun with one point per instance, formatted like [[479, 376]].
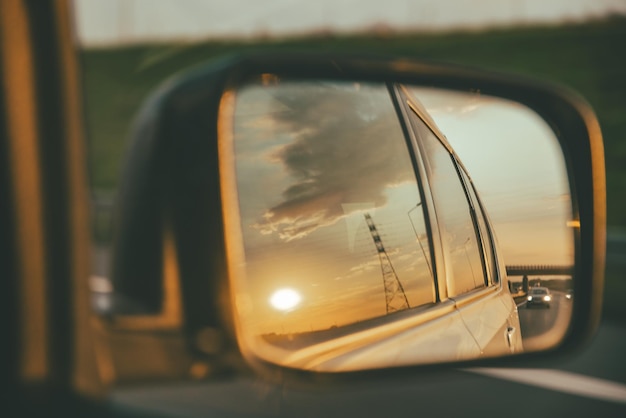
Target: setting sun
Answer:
[[285, 299]]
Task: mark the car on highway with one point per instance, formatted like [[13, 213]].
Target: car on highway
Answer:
[[539, 296]]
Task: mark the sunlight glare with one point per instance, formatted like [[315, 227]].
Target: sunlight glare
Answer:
[[285, 299]]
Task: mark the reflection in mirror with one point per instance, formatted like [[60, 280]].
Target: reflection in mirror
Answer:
[[363, 243], [518, 167]]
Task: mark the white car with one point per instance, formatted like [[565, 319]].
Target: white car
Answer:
[[538, 296]]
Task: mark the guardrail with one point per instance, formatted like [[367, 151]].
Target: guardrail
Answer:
[[539, 270]]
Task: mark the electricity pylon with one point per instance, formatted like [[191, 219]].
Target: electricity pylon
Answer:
[[395, 298]]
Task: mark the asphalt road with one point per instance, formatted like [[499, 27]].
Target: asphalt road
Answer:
[[544, 327]]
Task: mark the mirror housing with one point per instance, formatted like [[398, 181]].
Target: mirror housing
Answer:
[[171, 196]]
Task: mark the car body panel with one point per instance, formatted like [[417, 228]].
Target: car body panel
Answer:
[[437, 339], [493, 322]]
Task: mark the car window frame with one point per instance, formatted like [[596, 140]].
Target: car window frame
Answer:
[[398, 94], [413, 108], [492, 274]]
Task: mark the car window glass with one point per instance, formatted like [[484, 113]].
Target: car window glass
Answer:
[[331, 216], [464, 264]]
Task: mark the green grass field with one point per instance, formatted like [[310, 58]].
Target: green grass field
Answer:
[[588, 58]]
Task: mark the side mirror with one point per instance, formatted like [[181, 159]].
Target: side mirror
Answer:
[[332, 214]]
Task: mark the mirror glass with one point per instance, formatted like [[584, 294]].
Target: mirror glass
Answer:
[[378, 224]]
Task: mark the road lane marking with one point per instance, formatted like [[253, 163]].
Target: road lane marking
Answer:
[[561, 381]]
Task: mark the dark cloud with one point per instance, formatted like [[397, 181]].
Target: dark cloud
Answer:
[[347, 147]]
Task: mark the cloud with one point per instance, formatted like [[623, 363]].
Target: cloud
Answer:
[[346, 147]]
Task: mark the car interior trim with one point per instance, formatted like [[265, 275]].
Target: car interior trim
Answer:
[[25, 167]]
